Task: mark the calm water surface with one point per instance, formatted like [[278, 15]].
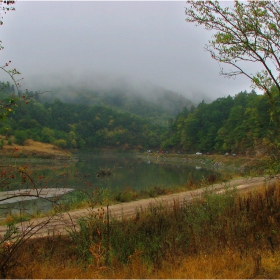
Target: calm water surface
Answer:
[[128, 171], [137, 173]]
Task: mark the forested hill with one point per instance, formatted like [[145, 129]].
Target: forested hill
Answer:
[[239, 124], [85, 118], [236, 124], [79, 126], [155, 104]]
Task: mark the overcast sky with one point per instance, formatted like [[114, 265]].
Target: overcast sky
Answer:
[[91, 42]]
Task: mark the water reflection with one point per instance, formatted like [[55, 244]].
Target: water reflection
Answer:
[[137, 173], [127, 171]]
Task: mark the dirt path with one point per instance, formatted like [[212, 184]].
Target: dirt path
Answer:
[[61, 224]]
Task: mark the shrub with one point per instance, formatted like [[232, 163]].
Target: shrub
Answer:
[[61, 143], [20, 136]]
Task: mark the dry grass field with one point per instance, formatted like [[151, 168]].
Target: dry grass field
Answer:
[[36, 149]]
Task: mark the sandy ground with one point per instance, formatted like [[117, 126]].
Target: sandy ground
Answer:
[[62, 223]]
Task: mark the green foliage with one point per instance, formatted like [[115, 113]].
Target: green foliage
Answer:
[[72, 200], [157, 107], [80, 126], [8, 100], [61, 143], [239, 124], [208, 211], [20, 136], [126, 195], [47, 135]]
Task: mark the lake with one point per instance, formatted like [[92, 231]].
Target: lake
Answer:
[[128, 171]]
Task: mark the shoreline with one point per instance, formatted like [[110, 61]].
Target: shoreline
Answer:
[[61, 223]]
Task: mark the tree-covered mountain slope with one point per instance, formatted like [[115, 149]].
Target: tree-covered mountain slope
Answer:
[[154, 103], [237, 124], [80, 126]]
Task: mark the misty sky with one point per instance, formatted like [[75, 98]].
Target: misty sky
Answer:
[[96, 43]]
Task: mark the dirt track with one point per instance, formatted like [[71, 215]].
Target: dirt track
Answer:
[[62, 223]]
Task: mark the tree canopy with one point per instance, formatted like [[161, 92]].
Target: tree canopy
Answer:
[[238, 124]]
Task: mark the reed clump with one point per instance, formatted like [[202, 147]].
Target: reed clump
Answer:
[[217, 236]]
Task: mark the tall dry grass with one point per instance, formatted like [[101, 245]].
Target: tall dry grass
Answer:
[[226, 265], [218, 236]]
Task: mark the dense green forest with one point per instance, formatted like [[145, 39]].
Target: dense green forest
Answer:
[[236, 124], [80, 126], [154, 103], [239, 124]]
